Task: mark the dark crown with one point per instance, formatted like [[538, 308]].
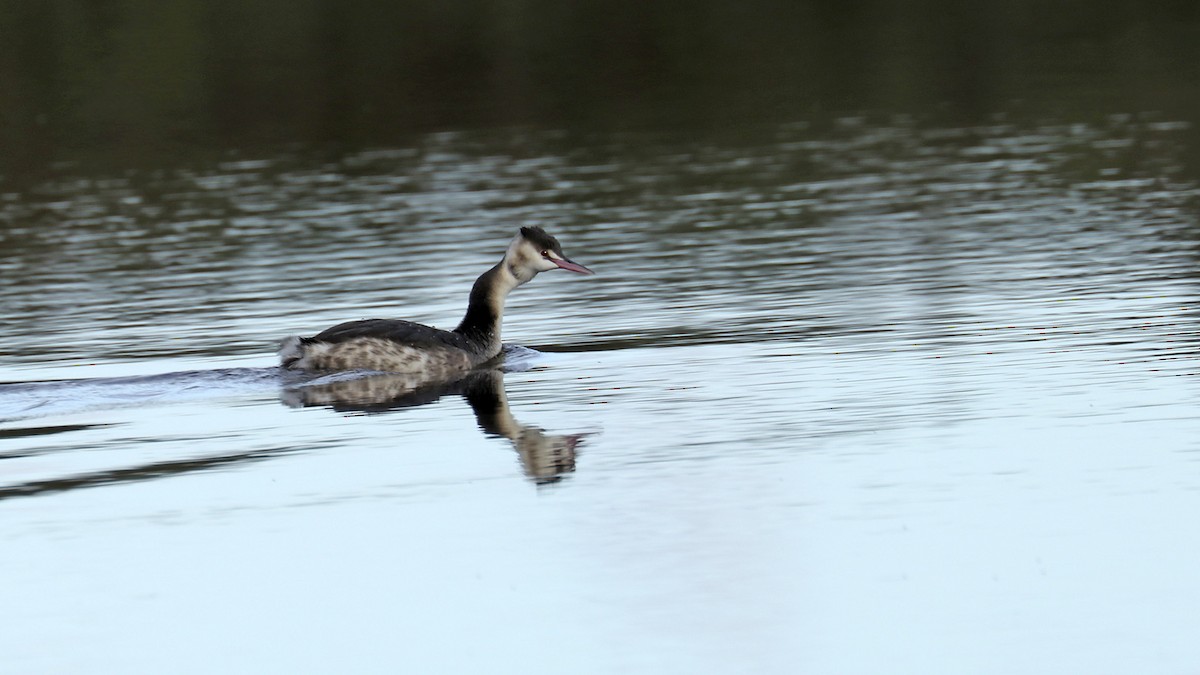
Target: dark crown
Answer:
[[538, 237]]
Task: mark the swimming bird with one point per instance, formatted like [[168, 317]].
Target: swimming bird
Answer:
[[393, 345]]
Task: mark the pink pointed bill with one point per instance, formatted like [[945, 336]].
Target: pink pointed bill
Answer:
[[572, 266]]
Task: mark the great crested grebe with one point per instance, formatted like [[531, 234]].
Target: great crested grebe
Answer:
[[397, 346]]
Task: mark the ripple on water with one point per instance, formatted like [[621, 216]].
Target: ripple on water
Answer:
[[837, 367]]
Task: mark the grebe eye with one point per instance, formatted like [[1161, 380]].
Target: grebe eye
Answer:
[[545, 254]]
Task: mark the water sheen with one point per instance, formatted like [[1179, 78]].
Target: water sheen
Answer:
[[861, 396]]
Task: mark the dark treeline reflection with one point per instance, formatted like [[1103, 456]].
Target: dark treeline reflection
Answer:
[[132, 80]]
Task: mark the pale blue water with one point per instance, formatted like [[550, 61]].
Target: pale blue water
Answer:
[[873, 398]]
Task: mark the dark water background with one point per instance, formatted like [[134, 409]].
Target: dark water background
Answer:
[[128, 82], [889, 364]]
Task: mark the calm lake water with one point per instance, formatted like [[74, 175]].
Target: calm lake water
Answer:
[[860, 396]]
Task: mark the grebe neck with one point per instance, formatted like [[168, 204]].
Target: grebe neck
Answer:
[[485, 310]]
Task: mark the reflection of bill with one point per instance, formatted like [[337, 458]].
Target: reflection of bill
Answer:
[[546, 458]]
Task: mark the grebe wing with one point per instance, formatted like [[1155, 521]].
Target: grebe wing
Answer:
[[395, 330]]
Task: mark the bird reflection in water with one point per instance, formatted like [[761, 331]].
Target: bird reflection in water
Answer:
[[545, 458]]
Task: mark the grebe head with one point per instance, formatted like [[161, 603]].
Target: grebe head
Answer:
[[534, 251]]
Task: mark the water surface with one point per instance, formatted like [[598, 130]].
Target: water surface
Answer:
[[867, 394]]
